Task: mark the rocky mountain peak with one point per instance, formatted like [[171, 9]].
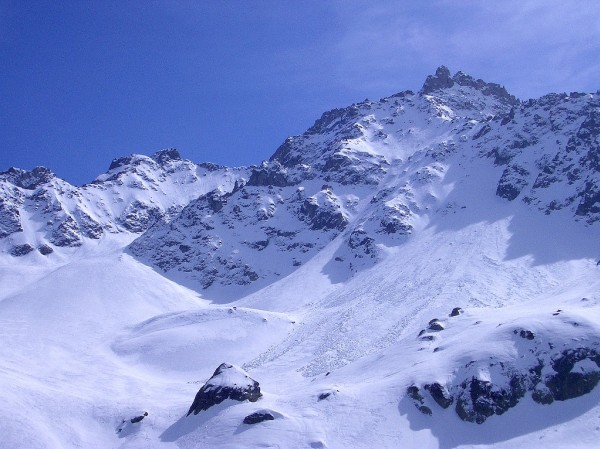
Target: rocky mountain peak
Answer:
[[166, 155], [443, 80], [161, 157], [25, 179]]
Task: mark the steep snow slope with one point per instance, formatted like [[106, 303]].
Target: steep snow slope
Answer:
[[327, 273]]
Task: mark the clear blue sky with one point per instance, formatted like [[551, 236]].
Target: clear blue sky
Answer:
[[83, 82]]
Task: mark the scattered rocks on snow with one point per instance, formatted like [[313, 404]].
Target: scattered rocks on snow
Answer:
[[227, 382], [523, 333]]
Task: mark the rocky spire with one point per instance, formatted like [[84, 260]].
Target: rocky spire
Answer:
[[441, 80]]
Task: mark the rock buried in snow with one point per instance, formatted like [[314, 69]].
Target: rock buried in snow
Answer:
[[436, 325], [258, 417], [456, 311], [138, 418], [227, 382], [126, 425]]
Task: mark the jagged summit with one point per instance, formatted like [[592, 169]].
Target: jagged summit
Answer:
[[27, 179], [160, 157], [443, 80], [166, 155]]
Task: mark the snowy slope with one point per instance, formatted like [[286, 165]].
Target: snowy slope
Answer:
[[329, 275]]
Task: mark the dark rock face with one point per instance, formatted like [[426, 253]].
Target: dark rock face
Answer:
[[482, 132], [66, 234], [414, 393], [138, 216], [227, 382], [10, 219], [45, 250], [21, 250], [558, 377], [327, 215], [273, 174], [258, 417], [440, 394], [479, 399], [285, 154], [324, 396], [120, 162], [29, 180], [330, 119], [161, 157], [362, 243], [513, 181], [396, 220], [138, 418], [347, 170], [441, 80], [566, 384], [88, 226], [167, 155]]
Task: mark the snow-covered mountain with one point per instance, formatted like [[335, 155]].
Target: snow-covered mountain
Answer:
[[401, 274]]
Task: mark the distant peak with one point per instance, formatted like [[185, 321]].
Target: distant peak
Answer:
[[160, 157], [166, 155], [25, 179], [443, 80]]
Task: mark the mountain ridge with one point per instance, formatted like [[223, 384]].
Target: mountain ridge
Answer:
[[420, 270]]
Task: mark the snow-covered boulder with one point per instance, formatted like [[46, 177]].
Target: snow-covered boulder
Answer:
[[227, 382]]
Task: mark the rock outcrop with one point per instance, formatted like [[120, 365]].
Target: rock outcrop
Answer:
[[227, 382], [554, 365]]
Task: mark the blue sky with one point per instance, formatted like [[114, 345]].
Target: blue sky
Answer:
[[83, 82]]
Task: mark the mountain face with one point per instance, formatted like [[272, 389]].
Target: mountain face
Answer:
[[369, 173], [427, 261], [39, 210], [372, 173]]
